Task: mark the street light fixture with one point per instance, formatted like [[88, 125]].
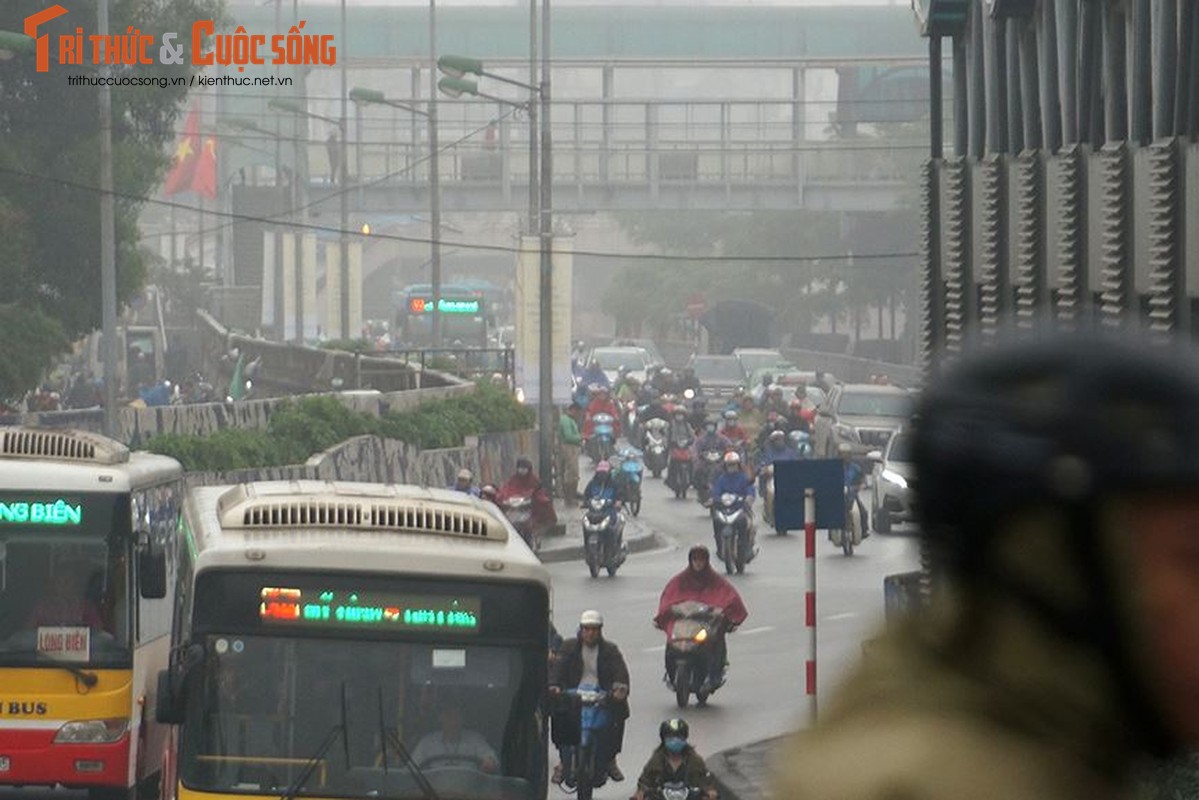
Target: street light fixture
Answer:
[[455, 85], [361, 95], [344, 223]]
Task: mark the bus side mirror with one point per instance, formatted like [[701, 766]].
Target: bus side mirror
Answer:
[[171, 704], [168, 710], [151, 570]]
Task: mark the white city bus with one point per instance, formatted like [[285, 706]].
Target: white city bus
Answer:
[[86, 576], [321, 628]]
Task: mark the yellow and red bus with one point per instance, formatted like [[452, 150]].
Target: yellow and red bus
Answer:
[[87, 573], [326, 630]]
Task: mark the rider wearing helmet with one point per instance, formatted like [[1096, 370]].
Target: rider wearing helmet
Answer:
[[674, 761], [604, 485], [601, 403], [591, 659], [733, 431], [1057, 483], [594, 374], [733, 480]]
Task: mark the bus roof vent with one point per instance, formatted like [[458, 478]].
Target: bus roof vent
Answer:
[[432, 519], [61, 444], [302, 514]]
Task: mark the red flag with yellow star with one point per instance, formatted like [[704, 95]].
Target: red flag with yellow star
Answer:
[[194, 167]]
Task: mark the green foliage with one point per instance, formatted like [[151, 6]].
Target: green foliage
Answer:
[[49, 164], [302, 428], [31, 340]]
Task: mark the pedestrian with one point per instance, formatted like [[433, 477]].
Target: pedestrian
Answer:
[[333, 149], [570, 447], [1057, 484]]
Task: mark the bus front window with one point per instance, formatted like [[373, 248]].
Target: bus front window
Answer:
[[63, 599], [264, 708]]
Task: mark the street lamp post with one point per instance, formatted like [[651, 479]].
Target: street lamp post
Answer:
[[456, 67], [360, 95], [343, 227], [108, 241]]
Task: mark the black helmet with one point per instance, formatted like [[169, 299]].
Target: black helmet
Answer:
[[675, 726], [1066, 423], [1058, 421]]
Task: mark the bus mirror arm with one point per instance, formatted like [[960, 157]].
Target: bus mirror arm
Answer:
[[151, 568], [173, 683]]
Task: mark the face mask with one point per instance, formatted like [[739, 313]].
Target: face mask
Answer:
[[674, 744]]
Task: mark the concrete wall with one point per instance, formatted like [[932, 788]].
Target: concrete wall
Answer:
[[491, 457]]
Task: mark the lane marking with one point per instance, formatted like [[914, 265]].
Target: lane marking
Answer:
[[653, 649], [844, 615], [752, 631]]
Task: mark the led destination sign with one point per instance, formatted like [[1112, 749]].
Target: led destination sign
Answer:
[[422, 305], [350, 609], [59, 512]]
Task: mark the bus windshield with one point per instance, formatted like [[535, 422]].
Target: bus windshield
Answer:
[[264, 707], [63, 599]]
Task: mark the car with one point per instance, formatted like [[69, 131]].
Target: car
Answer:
[[862, 415], [651, 349], [611, 359], [755, 358], [718, 376], [891, 501], [816, 383]]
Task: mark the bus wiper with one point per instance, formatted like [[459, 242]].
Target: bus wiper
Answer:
[[393, 738], [315, 759], [389, 736], [82, 676]]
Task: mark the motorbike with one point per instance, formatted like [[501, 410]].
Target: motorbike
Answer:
[[692, 634], [603, 542], [767, 473], [583, 766], [629, 475], [654, 446], [679, 467], [709, 465], [855, 523], [675, 790], [733, 541], [519, 511], [603, 437]]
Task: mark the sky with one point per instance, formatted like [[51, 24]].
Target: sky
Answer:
[[841, 3]]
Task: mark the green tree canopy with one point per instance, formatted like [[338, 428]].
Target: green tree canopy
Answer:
[[49, 164]]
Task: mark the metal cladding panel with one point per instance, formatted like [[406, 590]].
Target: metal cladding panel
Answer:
[[1112, 253], [1190, 217], [1141, 203], [1069, 214], [1026, 236], [989, 209], [931, 312], [1159, 199], [955, 252]]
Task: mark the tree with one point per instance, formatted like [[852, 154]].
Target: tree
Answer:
[[49, 163]]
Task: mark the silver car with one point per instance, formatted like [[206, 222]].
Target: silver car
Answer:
[[862, 415], [893, 470]]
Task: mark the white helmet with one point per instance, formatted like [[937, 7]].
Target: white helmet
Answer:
[[591, 618]]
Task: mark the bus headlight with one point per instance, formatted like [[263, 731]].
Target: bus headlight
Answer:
[[91, 731]]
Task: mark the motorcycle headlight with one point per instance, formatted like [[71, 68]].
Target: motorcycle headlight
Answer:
[[701, 635], [596, 504], [728, 498], [92, 731]]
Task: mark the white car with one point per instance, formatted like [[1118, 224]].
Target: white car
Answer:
[[611, 359]]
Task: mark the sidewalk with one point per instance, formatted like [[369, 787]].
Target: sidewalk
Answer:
[[744, 773], [568, 545]]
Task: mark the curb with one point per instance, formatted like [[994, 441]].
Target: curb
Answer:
[[647, 540], [731, 782]]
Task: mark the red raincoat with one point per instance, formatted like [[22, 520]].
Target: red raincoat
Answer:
[[706, 586], [530, 486], [601, 406]]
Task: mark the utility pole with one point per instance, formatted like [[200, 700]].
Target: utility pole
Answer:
[[344, 240], [108, 242], [545, 400], [434, 181]]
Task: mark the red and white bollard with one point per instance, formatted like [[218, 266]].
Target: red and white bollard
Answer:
[[809, 531]]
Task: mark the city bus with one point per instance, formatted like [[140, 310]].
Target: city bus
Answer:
[[322, 630], [464, 317], [86, 577]]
